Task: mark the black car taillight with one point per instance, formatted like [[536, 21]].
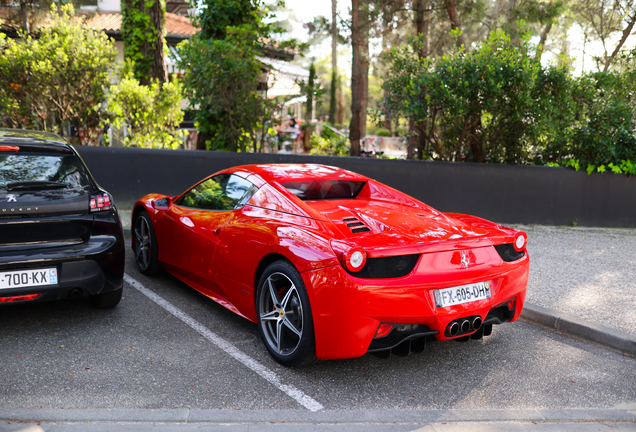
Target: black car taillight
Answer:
[[100, 202]]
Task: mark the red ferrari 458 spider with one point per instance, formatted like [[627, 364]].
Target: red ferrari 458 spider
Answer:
[[331, 264]]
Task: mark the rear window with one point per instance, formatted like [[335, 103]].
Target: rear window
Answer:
[[324, 189], [30, 167]]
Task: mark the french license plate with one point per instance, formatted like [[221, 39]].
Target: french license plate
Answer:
[[462, 294], [28, 278]]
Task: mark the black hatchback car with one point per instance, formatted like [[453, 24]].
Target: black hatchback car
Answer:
[[60, 234]]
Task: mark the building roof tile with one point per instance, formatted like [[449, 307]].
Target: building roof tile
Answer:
[[111, 22]]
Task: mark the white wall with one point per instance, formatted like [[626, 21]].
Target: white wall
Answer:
[[109, 5]]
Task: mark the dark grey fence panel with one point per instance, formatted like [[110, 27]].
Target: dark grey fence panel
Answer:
[[503, 193]]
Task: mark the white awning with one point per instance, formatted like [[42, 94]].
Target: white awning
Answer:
[[290, 70], [299, 99], [172, 57]]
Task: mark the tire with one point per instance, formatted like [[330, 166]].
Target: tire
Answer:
[[145, 245], [106, 300], [284, 315]]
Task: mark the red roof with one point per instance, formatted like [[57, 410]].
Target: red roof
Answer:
[[111, 21]]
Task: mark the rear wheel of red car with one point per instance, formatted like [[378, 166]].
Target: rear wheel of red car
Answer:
[[145, 245], [284, 315]]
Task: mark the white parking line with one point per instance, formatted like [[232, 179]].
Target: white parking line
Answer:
[[252, 364]]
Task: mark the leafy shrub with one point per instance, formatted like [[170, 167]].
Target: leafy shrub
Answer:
[[497, 103], [151, 113], [336, 146], [484, 105], [609, 133], [382, 132], [57, 79]]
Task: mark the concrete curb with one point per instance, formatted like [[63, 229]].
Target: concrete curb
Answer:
[[304, 416], [573, 326]]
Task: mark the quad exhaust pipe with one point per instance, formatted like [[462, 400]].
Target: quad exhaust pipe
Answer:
[[453, 328], [463, 325]]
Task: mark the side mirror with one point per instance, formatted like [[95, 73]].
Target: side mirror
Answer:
[[162, 203]]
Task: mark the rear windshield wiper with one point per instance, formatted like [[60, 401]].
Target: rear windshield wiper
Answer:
[[35, 184]]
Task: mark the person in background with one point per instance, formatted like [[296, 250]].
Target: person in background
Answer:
[[296, 126]]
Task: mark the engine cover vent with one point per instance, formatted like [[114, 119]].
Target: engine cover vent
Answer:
[[356, 225]]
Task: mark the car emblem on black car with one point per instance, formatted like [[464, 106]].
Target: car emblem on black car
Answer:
[[11, 198]]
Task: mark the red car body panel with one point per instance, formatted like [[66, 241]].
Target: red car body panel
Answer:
[[222, 253]]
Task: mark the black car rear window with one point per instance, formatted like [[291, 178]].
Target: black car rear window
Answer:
[[33, 167], [324, 189]]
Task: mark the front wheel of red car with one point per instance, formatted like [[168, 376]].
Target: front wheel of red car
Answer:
[[145, 245], [284, 315]]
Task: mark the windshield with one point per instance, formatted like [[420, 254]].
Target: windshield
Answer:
[[38, 171], [324, 189]]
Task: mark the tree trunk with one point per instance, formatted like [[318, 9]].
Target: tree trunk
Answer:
[[310, 93], [340, 111], [354, 127], [411, 144], [156, 50], [451, 8], [364, 71], [202, 137], [626, 33], [334, 61], [154, 68], [475, 139], [417, 140], [387, 16], [25, 17], [422, 22], [544, 37]]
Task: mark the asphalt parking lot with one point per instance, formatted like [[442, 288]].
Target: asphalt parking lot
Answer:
[[167, 347]]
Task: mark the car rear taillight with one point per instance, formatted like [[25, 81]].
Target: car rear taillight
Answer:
[[520, 241], [352, 258], [355, 259], [100, 202], [9, 148], [19, 298]]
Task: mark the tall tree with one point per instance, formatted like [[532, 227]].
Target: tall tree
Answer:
[[626, 32], [364, 27], [334, 62], [453, 15], [422, 24], [27, 15], [356, 70], [601, 20], [142, 32], [311, 92], [223, 74], [214, 20]]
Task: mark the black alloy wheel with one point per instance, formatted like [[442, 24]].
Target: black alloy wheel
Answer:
[[145, 245], [284, 315]]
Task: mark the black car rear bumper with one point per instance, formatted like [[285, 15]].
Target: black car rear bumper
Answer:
[[76, 279], [89, 268]]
